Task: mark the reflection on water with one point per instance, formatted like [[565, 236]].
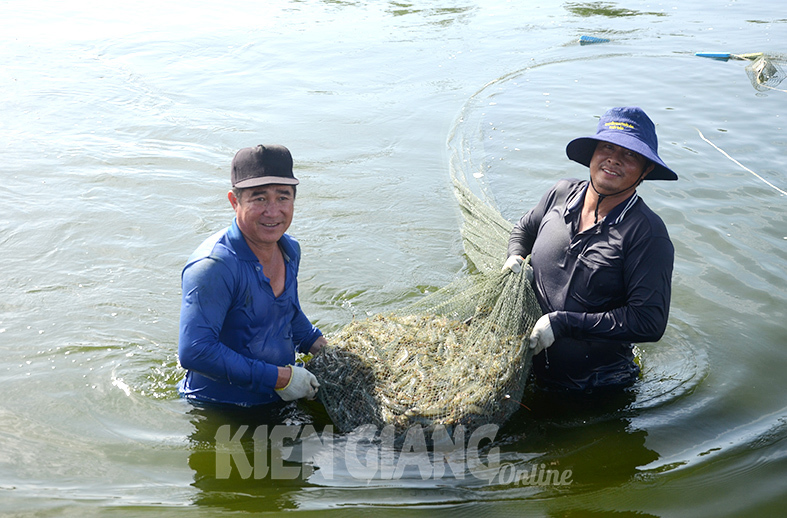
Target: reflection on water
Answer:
[[591, 434], [608, 9], [593, 439], [561, 443], [237, 488], [598, 438]]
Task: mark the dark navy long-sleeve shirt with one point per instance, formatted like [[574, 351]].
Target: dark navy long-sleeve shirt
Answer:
[[603, 288], [234, 332]]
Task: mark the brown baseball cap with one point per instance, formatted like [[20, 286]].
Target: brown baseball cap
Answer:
[[262, 165]]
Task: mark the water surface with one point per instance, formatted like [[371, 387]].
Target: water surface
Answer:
[[118, 128]]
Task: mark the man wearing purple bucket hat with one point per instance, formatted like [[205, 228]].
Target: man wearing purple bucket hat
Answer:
[[601, 259]]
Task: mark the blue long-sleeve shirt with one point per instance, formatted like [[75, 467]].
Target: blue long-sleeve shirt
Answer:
[[603, 288], [234, 332]]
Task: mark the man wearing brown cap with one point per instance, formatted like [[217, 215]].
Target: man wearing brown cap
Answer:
[[241, 322]]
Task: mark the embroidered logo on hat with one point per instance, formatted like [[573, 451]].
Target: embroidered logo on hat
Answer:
[[619, 125]]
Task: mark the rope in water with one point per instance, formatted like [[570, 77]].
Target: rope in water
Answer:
[[743, 166], [773, 88]]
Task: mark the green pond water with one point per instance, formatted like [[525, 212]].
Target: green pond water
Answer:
[[118, 126]]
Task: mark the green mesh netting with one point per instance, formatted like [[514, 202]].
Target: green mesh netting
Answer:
[[765, 72], [458, 356]]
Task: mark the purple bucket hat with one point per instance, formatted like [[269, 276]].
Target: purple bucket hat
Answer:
[[630, 128]]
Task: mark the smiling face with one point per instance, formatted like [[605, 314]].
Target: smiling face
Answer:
[[615, 169], [264, 213]]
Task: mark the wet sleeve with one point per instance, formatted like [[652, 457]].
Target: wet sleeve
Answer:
[[648, 285], [524, 233], [304, 333], [208, 288]]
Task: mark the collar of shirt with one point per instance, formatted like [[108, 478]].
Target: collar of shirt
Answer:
[[242, 249], [615, 216]]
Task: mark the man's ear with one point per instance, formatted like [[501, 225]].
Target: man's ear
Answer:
[[233, 199]]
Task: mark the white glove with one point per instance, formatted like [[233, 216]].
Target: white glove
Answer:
[[302, 384], [542, 335], [514, 263]]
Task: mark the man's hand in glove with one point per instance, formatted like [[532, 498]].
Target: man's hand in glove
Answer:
[[302, 384], [515, 263], [542, 335]]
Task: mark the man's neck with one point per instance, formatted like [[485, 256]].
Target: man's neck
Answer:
[[266, 254], [593, 201]]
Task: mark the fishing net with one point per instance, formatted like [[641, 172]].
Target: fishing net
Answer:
[[764, 70], [765, 73], [458, 356]]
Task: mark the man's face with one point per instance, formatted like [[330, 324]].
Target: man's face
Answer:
[[264, 213], [614, 168]]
